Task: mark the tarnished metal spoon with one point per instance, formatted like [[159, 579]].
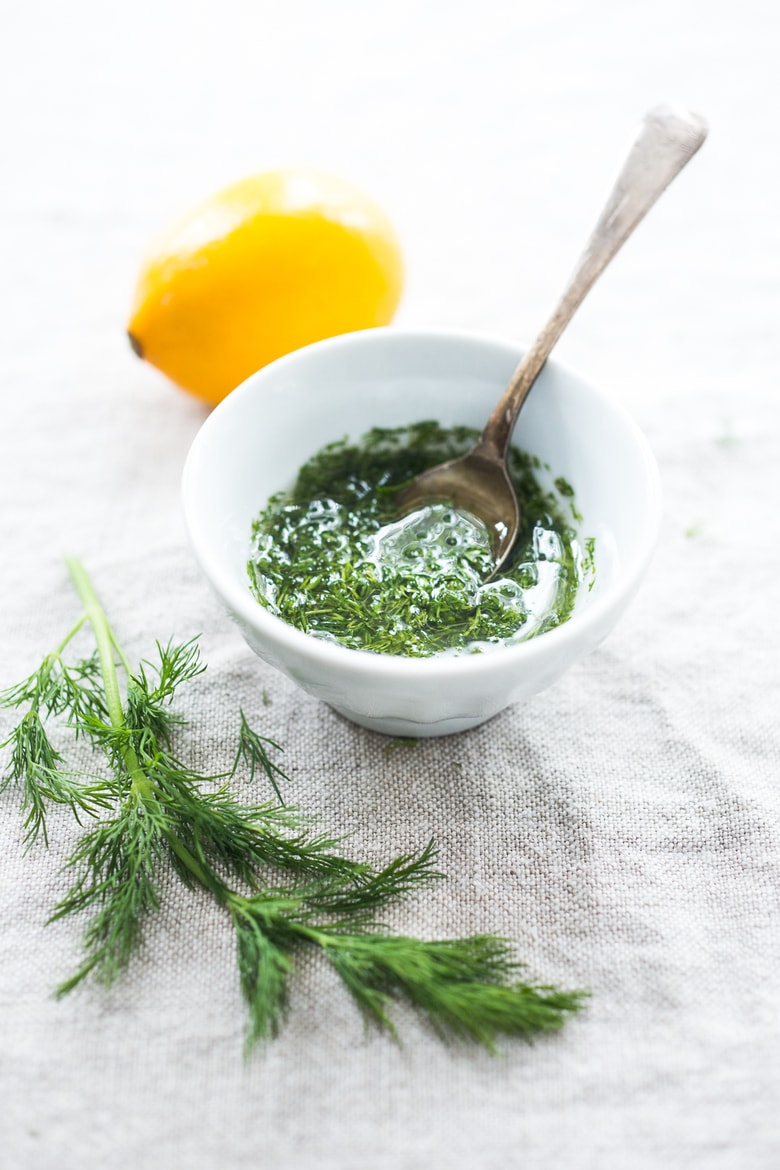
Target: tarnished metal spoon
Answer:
[[478, 482]]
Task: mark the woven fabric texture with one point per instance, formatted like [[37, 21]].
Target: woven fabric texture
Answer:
[[622, 827]]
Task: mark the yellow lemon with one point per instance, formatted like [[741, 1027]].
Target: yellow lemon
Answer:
[[272, 263]]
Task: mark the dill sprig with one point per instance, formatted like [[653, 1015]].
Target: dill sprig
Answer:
[[285, 885], [252, 750]]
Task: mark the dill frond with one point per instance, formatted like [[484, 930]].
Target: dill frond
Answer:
[[460, 985], [366, 889], [286, 885], [252, 750], [263, 965], [117, 865], [34, 765]]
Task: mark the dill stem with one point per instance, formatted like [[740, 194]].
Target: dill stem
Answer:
[[106, 644], [68, 637], [202, 874], [104, 638], [120, 652]]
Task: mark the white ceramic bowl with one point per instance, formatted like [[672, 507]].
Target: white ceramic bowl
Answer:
[[254, 442]]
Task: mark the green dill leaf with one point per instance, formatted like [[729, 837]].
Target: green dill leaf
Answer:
[[178, 663], [263, 970], [57, 689], [482, 1012], [34, 765], [117, 866], [252, 750], [147, 705], [401, 742], [459, 984], [366, 888]]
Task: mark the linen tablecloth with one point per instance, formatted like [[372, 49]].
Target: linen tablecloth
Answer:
[[621, 827]]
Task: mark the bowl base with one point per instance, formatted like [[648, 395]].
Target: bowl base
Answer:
[[408, 728]]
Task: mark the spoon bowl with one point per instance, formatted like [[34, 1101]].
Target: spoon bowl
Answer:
[[477, 483]]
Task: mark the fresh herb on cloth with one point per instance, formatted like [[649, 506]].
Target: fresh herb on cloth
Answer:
[[283, 884]]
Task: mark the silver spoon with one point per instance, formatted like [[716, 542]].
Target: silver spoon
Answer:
[[478, 482]]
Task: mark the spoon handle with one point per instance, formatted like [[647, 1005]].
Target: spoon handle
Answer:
[[667, 139]]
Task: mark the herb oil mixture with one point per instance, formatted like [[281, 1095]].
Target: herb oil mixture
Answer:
[[332, 558]]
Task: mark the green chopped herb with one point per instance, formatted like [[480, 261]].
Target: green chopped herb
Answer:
[[331, 557], [588, 562], [401, 742]]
